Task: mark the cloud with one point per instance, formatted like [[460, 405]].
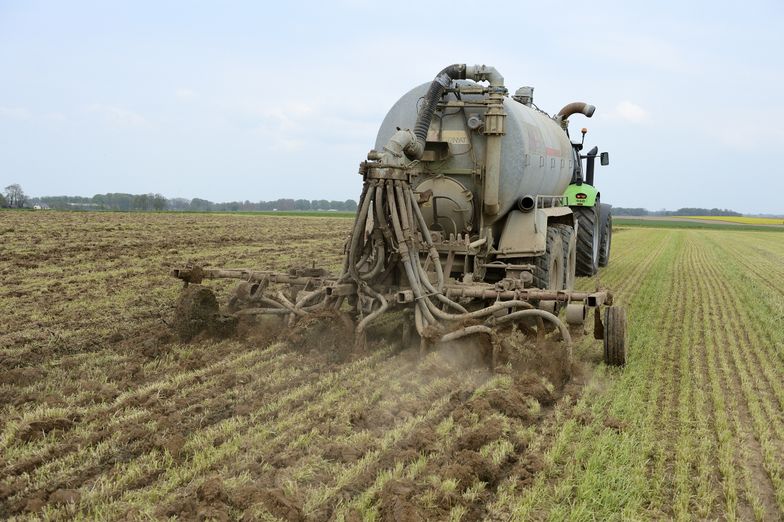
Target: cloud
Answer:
[[629, 111], [117, 116]]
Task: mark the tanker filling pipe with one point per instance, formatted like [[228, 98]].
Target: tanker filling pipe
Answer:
[[573, 108], [494, 131]]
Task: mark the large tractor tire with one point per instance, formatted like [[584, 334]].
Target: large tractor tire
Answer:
[[570, 255], [549, 267], [605, 215], [588, 239]]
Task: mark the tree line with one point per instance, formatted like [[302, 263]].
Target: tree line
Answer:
[[14, 197]]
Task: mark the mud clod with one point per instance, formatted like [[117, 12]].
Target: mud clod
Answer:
[[396, 502], [484, 433], [281, 506], [36, 429], [22, 376], [212, 490], [65, 496]]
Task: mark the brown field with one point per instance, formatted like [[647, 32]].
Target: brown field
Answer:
[[105, 415]]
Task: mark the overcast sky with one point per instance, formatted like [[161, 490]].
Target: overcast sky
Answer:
[[242, 100]]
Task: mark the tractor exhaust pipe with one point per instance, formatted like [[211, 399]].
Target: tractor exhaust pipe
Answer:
[[590, 160]]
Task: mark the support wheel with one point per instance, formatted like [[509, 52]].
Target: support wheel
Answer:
[[588, 236], [549, 267], [606, 240], [615, 336]]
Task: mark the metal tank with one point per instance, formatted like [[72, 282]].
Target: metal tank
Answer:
[[536, 157]]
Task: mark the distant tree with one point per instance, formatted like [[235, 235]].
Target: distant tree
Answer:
[[302, 204], [15, 196], [158, 202], [3, 201], [201, 205], [623, 211], [350, 205]]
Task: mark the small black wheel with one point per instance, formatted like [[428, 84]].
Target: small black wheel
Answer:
[[615, 336]]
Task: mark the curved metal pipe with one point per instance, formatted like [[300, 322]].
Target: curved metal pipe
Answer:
[[541, 314], [574, 108]]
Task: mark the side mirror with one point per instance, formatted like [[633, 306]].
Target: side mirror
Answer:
[[604, 158]]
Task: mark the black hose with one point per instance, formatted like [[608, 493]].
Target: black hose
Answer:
[[433, 95]]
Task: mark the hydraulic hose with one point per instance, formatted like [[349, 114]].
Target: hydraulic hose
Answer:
[[442, 80]]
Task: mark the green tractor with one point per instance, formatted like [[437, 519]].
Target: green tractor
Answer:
[[594, 218]]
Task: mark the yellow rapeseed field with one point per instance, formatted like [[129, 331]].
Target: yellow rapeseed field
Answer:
[[741, 219]]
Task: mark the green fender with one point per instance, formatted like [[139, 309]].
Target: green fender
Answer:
[[590, 194]]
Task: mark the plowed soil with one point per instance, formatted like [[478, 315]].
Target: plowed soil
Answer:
[[107, 411]]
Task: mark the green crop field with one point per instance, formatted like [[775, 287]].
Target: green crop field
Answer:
[[105, 415]]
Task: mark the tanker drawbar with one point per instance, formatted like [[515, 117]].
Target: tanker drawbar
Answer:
[[470, 222]]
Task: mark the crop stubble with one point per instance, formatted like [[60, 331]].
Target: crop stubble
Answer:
[[104, 414]]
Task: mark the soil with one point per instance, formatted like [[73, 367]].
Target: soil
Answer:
[[274, 414]]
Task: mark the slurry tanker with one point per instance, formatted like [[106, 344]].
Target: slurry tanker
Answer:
[[477, 212]]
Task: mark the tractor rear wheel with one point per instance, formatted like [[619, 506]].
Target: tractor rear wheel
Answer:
[[606, 240], [588, 236], [615, 336], [549, 267]]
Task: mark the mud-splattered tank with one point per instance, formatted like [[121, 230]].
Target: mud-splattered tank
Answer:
[[536, 155]]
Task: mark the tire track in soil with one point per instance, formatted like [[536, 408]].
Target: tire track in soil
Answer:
[[760, 490]]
